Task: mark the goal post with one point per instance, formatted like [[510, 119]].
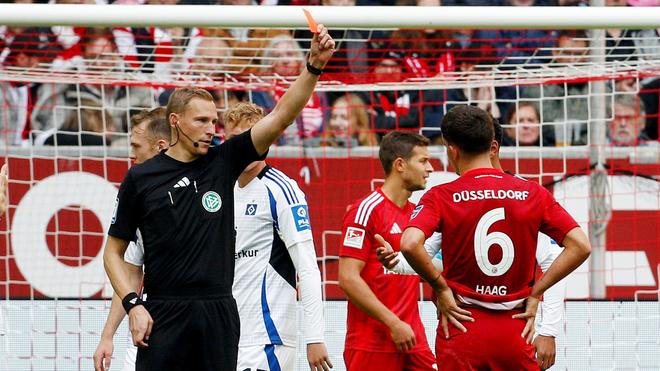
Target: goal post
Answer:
[[53, 291]]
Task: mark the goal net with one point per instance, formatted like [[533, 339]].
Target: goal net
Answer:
[[580, 115]]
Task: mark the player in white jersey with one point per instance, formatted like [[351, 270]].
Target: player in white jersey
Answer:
[[273, 245], [550, 311], [150, 133]]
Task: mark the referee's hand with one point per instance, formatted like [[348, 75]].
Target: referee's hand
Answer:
[[140, 323]]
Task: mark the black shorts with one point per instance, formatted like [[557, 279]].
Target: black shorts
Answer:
[[191, 334]]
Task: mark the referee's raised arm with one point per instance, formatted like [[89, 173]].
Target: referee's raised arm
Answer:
[[268, 129]]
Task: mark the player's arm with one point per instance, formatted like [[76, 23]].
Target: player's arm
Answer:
[[552, 307], [359, 293], [268, 129], [103, 354], [3, 189], [397, 263], [122, 229], [561, 227], [425, 220], [294, 227]]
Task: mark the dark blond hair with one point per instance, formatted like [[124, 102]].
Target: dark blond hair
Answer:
[[93, 118], [181, 97], [242, 112]]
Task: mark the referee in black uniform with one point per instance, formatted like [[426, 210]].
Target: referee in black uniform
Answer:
[[182, 202]]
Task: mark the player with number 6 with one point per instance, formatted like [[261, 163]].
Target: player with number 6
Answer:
[[489, 245]]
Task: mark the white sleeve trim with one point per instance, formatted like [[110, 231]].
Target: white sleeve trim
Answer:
[[303, 257], [432, 247], [551, 309]]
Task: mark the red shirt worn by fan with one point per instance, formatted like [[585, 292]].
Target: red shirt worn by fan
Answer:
[[489, 222], [366, 217]]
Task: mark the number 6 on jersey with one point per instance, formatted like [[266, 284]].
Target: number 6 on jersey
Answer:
[[484, 240]]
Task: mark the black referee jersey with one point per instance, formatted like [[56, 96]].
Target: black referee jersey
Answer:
[[185, 212]]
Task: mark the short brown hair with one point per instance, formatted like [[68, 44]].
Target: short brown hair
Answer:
[[243, 112], [181, 97], [156, 126], [469, 128], [399, 144]]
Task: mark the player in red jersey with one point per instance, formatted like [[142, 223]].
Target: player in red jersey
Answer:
[[483, 208], [384, 330]]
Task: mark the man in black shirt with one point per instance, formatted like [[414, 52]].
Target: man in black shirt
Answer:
[[182, 202]]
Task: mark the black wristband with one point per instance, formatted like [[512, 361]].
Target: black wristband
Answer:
[[130, 301], [313, 70]]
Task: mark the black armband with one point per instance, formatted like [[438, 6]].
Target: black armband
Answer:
[[130, 301], [313, 70]]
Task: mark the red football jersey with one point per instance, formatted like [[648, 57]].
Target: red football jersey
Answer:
[[368, 216], [489, 222]]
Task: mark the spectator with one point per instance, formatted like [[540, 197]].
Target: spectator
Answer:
[[518, 46], [394, 109], [523, 127], [349, 124], [90, 126], [286, 59], [619, 43], [647, 43], [627, 125], [98, 56], [566, 104], [210, 59], [17, 99]]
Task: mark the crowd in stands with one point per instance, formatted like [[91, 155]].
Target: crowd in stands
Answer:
[[550, 114]]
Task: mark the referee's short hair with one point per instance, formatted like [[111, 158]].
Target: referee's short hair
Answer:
[[399, 144], [181, 97]]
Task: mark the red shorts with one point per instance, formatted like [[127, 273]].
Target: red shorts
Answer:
[[492, 342], [361, 360]]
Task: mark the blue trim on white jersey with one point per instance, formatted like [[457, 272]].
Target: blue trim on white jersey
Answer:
[[273, 207], [284, 183], [273, 335], [279, 184], [273, 362]]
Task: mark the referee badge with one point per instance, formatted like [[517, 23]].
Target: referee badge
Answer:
[[211, 201]]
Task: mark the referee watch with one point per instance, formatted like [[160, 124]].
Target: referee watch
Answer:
[[314, 70], [131, 301]]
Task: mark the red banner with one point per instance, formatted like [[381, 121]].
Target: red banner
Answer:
[[60, 209]]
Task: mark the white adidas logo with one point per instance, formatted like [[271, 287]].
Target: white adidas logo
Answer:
[[184, 182], [395, 229]]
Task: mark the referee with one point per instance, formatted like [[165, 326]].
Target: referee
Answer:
[[182, 202]]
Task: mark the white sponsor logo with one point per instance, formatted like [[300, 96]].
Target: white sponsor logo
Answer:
[[354, 237], [184, 182], [395, 229]]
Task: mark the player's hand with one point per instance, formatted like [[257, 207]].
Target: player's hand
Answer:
[[140, 324], [103, 354], [3, 189], [450, 312], [317, 356], [386, 254], [322, 47], [530, 316], [545, 351], [403, 336]]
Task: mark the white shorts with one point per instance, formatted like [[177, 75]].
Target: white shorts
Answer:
[[266, 358], [130, 355]]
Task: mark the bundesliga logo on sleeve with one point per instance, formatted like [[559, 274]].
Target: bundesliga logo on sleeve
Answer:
[[354, 237]]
